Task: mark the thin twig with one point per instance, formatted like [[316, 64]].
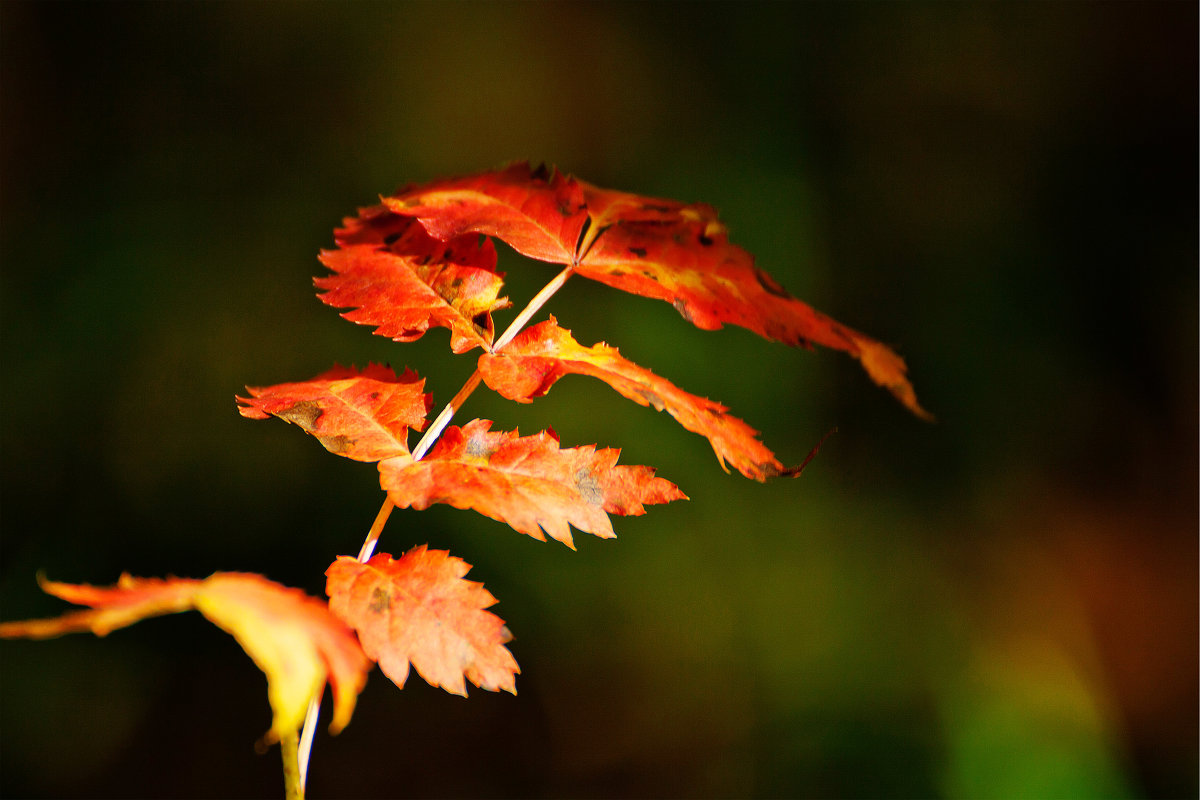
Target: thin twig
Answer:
[[794, 472], [293, 778], [431, 435], [443, 419], [381, 518], [536, 303]]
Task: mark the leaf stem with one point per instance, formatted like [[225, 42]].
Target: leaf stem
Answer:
[[293, 778], [536, 303], [304, 749], [431, 435], [443, 419], [306, 738], [381, 518]]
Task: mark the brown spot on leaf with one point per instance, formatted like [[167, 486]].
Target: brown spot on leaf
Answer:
[[305, 414], [682, 308], [640, 252], [476, 447], [336, 444], [651, 397], [380, 600], [589, 487], [480, 321]]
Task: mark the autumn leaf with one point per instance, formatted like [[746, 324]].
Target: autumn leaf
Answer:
[[527, 482], [292, 637], [542, 354], [419, 609], [539, 213], [649, 246], [361, 415], [711, 283], [403, 281]]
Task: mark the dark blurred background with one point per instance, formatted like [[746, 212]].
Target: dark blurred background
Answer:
[[1001, 604]]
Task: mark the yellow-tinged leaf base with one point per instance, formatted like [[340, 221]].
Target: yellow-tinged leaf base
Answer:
[[292, 637]]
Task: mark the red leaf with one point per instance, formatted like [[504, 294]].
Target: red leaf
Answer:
[[292, 637], [361, 415], [420, 610], [691, 264], [542, 354], [527, 482], [649, 246], [539, 213], [401, 280]]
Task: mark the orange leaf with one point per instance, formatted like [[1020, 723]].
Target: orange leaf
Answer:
[[420, 610], [130, 601], [529, 365], [361, 415], [292, 637], [539, 213], [401, 280], [649, 246], [527, 482], [692, 265]]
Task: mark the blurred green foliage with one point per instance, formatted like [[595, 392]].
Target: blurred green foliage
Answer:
[[999, 605]]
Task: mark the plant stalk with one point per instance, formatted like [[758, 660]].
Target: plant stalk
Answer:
[[535, 304], [381, 518], [293, 779], [431, 435], [303, 749]]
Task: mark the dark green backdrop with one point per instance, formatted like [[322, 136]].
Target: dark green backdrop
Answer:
[[1002, 604]]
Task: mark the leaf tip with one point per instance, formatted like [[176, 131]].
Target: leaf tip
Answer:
[[888, 370], [794, 472], [247, 408]]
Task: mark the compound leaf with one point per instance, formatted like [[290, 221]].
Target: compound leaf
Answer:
[[691, 264], [529, 365], [361, 415], [527, 482], [539, 213], [648, 246], [419, 609], [403, 281], [292, 637]]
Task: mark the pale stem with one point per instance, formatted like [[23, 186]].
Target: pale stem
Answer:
[[431, 435], [443, 419], [536, 303], [381, 518], [293, 777], [306, 738]]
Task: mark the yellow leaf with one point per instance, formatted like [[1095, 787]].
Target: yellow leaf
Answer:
[[292, 637]]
